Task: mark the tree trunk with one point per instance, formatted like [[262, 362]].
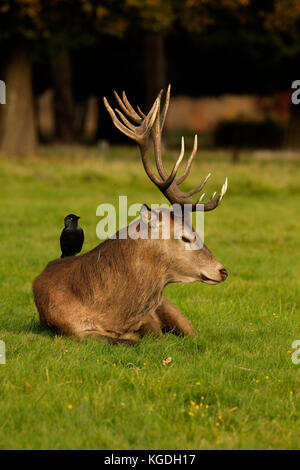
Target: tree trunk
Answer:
[[63, 98], [292, 137], [18, 134], [80, 113], [155, 67]]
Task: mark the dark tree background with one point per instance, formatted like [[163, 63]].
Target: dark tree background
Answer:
[[90, 47]]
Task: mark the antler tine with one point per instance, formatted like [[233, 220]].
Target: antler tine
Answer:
[[137, 133], [223, 189], [156, 138], [198, 189], [165, 185], [163, 115], [125, 120], [186, 172], [130, 111], [165, 112], [166, 107], [141, 112], [147, 125], [213, 203], [120, 102], [128, 108], [117, 123], [149, 120]]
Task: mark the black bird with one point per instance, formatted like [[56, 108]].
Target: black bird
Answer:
[[72, 237]]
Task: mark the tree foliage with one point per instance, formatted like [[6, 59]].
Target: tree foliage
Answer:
[[70, 22], [160, 16], [284, 16], [80, 21]]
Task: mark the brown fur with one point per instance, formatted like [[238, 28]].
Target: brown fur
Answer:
[[115, 291]]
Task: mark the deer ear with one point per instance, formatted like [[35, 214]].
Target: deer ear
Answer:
[[145, 214], [148, 216]]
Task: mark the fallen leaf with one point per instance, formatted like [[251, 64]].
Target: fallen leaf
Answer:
[[167, 361]]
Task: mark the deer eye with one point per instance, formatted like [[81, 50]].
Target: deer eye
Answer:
[[185, 240]]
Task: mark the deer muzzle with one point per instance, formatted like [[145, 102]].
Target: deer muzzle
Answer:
[[221, 276]]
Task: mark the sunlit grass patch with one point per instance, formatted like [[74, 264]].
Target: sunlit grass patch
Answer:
[[56, 393]]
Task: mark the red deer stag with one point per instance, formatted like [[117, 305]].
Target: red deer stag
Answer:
[[115, 291]]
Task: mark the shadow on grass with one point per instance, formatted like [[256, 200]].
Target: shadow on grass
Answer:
[[33, 326], [194, 345], [41, 330]]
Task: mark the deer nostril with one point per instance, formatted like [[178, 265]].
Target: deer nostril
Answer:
[[224, 273]]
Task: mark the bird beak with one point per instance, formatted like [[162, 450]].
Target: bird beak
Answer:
[[78, 218]]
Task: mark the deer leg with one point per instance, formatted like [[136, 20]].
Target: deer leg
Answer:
[[151, 324], [172, 319]]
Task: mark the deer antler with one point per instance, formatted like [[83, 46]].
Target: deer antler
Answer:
[[153, 124]]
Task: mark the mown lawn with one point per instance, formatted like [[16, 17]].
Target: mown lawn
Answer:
[[234, 387]]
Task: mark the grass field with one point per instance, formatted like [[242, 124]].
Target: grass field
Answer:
[[234, 387]]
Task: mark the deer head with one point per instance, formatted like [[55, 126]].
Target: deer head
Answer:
[[183, 264]]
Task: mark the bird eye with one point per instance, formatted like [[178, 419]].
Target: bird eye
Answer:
[[185, 240]]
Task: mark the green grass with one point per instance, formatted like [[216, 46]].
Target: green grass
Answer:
[[239, 368]]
